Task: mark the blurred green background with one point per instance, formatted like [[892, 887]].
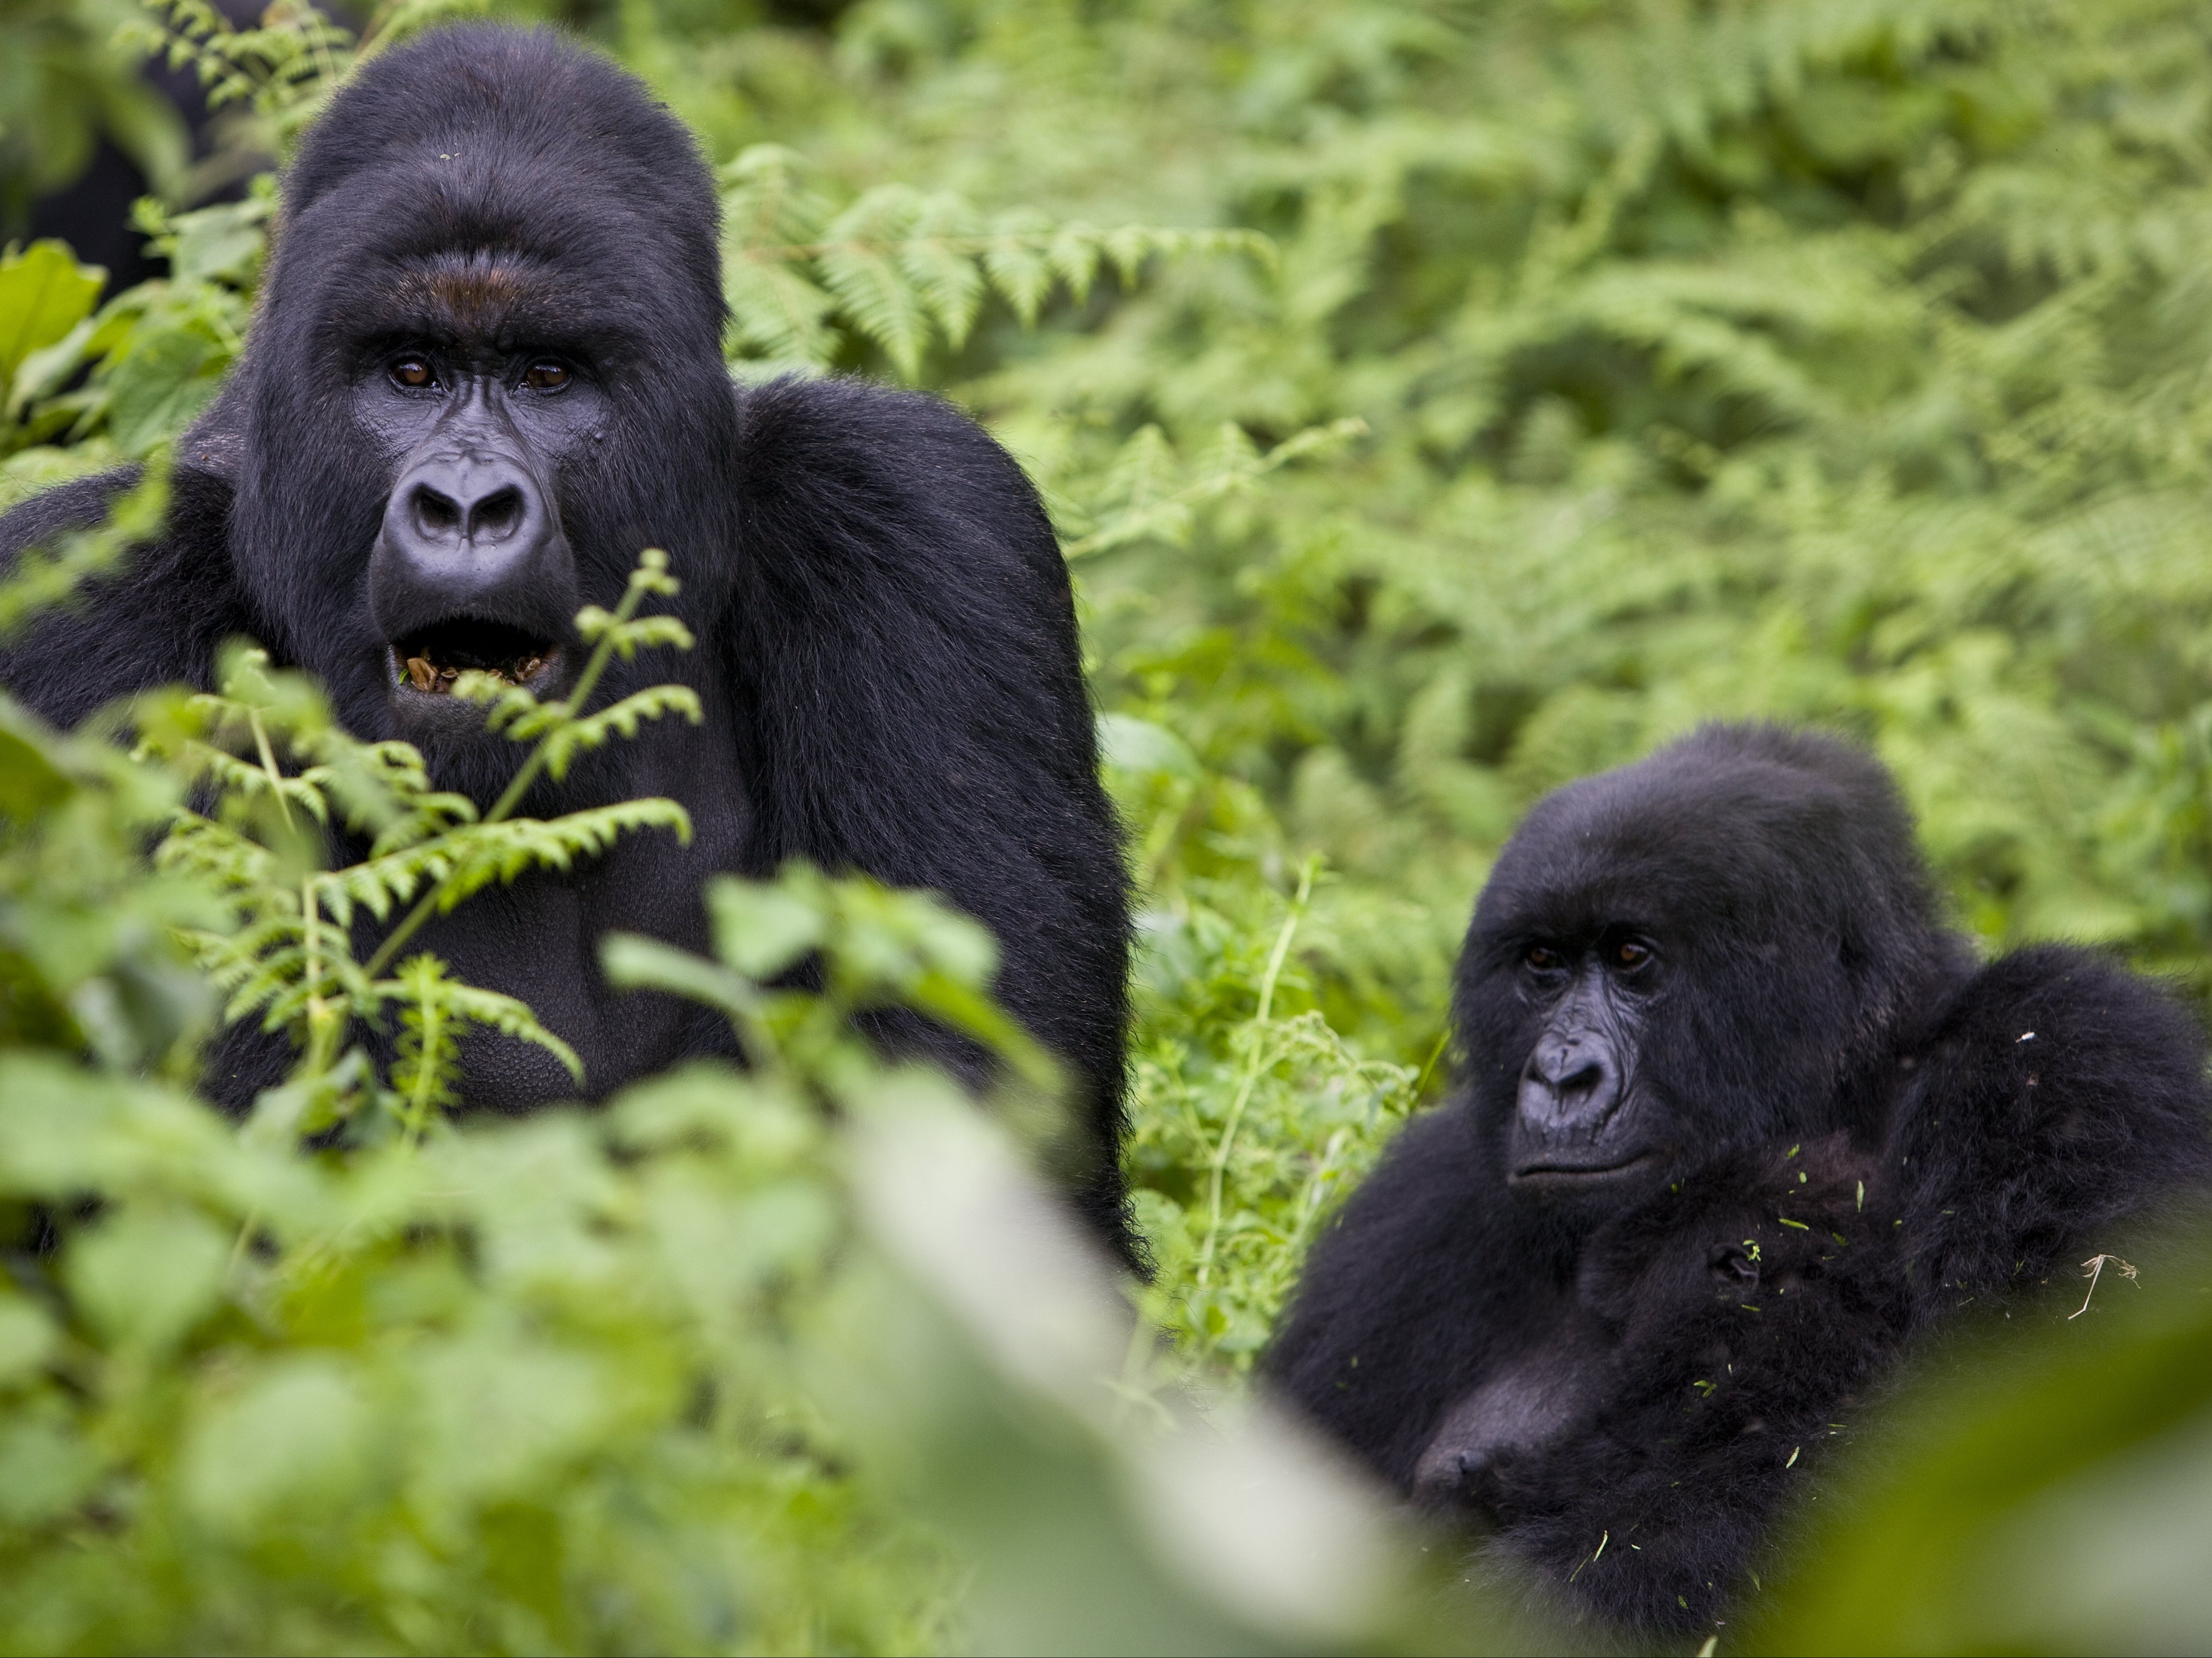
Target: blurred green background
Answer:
[[1437, 401]]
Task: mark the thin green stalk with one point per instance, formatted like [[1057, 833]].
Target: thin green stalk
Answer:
[[568, 708], [422, 1097], [275, 772], [1250, 1079], [322, 1020]]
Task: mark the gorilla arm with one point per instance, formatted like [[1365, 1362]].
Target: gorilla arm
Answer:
[[2058, 1098], [157, 619], [911, 699], [1410, 1300], [1736, 1318]]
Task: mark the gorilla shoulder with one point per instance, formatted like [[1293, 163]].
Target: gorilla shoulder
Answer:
[[158, 614]]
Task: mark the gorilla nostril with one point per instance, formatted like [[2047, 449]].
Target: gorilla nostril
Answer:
[[498, 515], [1583, 1080], [1566, 1071], [437, 516]]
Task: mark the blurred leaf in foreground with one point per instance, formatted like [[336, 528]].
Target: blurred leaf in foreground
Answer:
[[2037, 1491]]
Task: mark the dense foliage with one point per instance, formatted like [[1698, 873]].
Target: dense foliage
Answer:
[[1437, 401]]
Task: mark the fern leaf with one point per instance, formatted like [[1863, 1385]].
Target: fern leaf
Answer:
[[778, 315], [1014, 260], [563, 746]]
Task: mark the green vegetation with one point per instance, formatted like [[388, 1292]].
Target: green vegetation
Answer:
[[1437, 401]]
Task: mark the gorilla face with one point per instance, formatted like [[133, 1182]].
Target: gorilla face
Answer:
[[472, 568], [1580, 1120], [1687, 957]]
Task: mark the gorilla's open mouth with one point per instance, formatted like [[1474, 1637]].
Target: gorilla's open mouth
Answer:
[[431, 660], [1555, 1171]]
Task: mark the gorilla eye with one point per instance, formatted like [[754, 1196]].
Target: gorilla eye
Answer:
[[545, 375], [413, 373], [1631, 955], [1544, 959]]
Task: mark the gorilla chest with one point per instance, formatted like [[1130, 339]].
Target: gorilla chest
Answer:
[[538, 940]]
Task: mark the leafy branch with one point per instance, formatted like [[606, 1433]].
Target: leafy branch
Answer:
[[287, 955], [562, 732], [286, 67]]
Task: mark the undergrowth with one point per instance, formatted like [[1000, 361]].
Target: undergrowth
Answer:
[[1436, 401]]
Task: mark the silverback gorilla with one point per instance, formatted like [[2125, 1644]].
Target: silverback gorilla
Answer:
[[485, 373], [1739, 1119]]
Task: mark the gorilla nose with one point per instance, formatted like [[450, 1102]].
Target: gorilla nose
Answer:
[[460, 502], [494, 517], [475, 534], [1569, 1089]]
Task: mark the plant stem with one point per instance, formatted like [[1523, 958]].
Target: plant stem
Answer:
[[269, 764], [1250, 1079], [321, 1021]]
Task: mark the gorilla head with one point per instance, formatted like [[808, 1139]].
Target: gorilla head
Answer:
[[1691, 955], [489, 342]]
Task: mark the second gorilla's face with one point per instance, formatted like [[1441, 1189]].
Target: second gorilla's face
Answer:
[[1580, 1121]]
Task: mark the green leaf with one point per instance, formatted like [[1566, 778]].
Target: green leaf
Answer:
[[28, 1338], [761, 928], [160, 383], [29, 784], [295, 1435], [43, 293], [46, 1470], [145, 1276], [221, 243]]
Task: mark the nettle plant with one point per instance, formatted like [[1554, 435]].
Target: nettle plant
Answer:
[[348, 1374], [792, 1356], [288, 953]]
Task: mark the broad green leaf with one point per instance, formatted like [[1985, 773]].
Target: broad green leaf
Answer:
[[149, 1274], [29, 784], [165, 377], [28, 1338], [43, 293], [761, 929], [46, 1470], [295, 1435]]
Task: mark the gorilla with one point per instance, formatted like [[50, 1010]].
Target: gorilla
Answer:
[[485, 373], [1740, 1120]]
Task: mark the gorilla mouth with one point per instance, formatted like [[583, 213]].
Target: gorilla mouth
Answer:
[[431, 660], [1560, 1172]]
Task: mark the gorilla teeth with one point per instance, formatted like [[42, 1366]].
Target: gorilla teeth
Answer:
[[436, 678]]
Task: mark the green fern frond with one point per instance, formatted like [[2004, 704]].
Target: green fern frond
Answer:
[[904, 269], [44, 575], [1140, 507], [435, 1008], [621, 719]]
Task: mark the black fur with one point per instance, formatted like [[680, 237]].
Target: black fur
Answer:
[[887, 647], [1852, 1132]]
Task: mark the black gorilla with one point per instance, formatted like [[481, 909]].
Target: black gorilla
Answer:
[[487, 372], [1739, 1119]]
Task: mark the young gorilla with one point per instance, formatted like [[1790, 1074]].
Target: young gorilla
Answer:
[[485, 373], [1740, 1118]]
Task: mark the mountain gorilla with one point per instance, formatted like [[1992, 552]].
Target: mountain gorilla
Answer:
[[1740, 1118], [485, 373]]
